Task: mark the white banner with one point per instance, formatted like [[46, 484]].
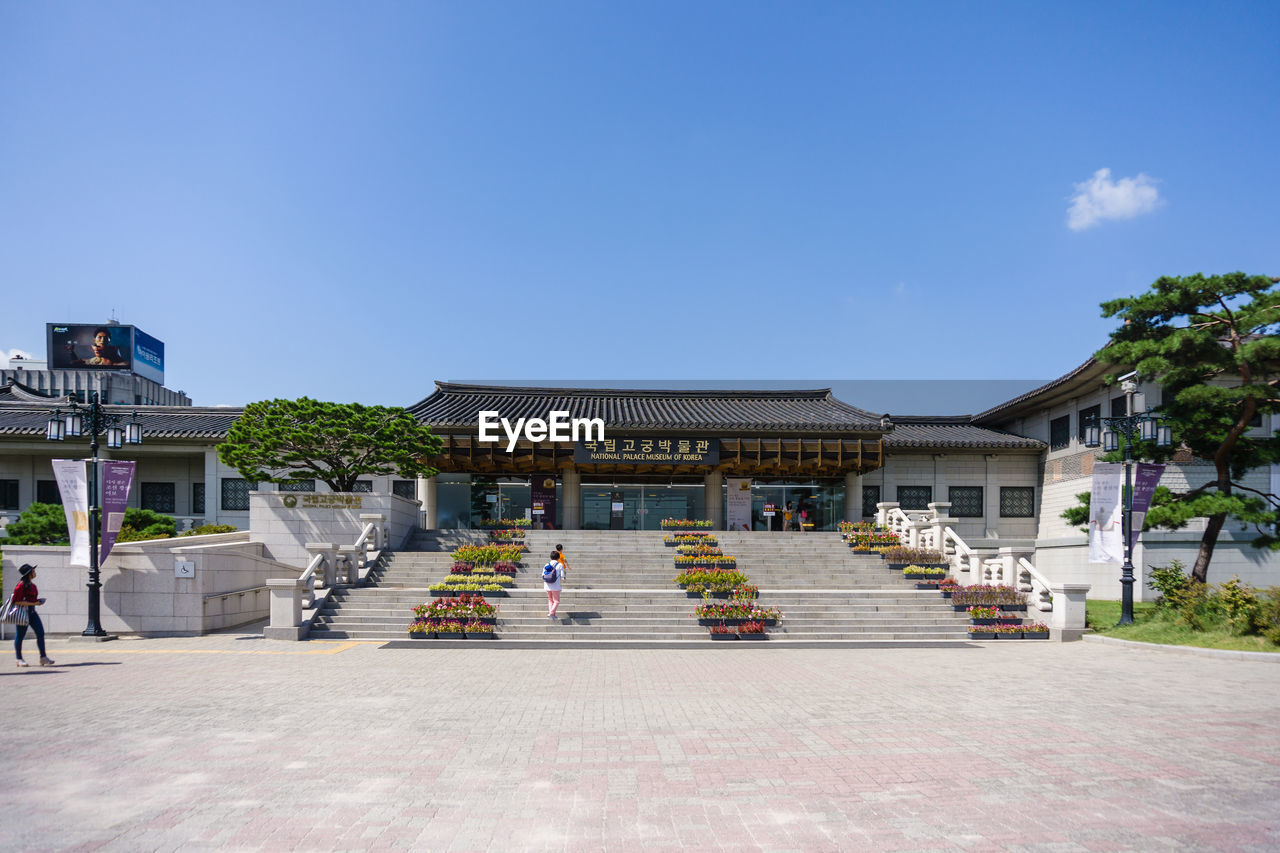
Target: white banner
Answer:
[[738, 504], [1106, 514], [73, 485]]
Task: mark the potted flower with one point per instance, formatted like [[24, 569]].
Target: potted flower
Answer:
[[753, 630], [981, 632], [980, 615], [1035, 631], [1008, 631], [451, 629], [420, 629], [721, 633], [477, 630]]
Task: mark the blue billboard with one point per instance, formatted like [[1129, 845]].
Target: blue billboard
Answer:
[[148, 356]]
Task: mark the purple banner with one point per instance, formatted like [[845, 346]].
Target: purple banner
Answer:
[[542, 494], [1146, 477], [117, 477]]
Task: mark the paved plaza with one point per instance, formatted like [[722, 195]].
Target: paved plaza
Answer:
[[233, 742]]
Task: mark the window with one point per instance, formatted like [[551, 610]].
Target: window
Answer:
[[298, 486], [8, 494], [1091, 416], [158, 497], [235, 493], [47, 492], [197, 498], [1017, 501], [870, 497], [1119, 406], [1059, 432], [363, 486], [914, 497], [966, 501], [405, 489]]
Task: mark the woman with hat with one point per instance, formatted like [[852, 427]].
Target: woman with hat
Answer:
[[26, 595]]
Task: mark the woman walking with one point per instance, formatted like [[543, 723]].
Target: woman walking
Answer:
[[552, 575], [26, 595]]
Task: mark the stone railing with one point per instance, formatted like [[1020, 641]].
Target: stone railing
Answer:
[[290, 597], [933, 529]]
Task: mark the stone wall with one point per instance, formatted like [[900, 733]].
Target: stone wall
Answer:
[[141, 593], [284, 522]]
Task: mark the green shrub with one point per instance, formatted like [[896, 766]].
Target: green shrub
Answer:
[[1192, 604], [1240, 604], [206, 529], [142, 524], [39, 524], [1169, 581]]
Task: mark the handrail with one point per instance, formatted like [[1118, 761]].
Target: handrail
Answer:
[[309, 578], [234, 592], [1045, 595]]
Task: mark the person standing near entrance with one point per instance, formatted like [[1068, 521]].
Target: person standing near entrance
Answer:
[[787, 515], [26, 595], [552, 578]]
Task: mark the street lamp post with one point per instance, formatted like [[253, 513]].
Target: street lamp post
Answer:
[[1128, 427], [95, 421]]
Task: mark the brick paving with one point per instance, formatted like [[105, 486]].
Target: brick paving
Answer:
[[233, 742]]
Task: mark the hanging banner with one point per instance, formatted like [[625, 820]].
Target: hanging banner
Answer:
[[1106, 520], [73, 485], [542, 496], [738, 504], [1145, 480], [117, 477]]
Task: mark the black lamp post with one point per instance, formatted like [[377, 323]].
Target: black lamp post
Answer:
[[1128, 427], [95, 421]]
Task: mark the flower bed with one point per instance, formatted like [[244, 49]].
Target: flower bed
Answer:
[[489, 554], [717, 580], [699, 551], [1035, 631], [751, 631], [990, 615], [720, 562], [913, 556], [690, 539], [685, 524], [981, 632], [924, 573], [465, 606], [499, 523], [1008, 631], [737, 610], [987, 595], [513, 534]]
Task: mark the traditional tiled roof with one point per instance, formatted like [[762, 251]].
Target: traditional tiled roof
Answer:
[[15, 391], [159, 422], [456, 406], [925, 431], [1091, 371]]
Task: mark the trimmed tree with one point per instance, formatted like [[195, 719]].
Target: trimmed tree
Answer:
[[279, 441], [39, 524], [1210, 341]]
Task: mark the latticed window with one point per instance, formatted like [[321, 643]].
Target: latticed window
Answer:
[[363, 486], [1059, 432], [158, 497], [966, 501], [235, 493], [1119, 406], [298, 486], [870, 497], [914, 497], [405, 489], [1017, 501], [197, 498]]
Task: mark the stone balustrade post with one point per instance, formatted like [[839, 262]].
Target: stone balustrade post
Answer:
[[941, 523], [1009, 557], [1066, 620], [882, 512], [286, 609], [353, 558], [377, 542], [330, 552], [914, 529]]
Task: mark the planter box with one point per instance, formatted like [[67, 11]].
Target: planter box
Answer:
[[1017, 636], [753, 637], [921, 585], [946, 593], [1014, 608], [1035, 635], [982, 635], [706, 623], [900, 566], [421, 635], [446, 635], [719, 638], [483, 635]]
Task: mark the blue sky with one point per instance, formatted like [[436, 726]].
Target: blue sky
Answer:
[[347, 201]]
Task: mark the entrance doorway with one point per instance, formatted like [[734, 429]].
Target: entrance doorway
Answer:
[[644, 506]]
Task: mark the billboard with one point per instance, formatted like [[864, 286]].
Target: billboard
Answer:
[[74, 346]]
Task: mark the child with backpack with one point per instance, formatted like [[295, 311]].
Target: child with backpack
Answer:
[[552, 575]]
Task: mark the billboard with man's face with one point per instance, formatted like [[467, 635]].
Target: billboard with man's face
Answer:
[[73, 347]]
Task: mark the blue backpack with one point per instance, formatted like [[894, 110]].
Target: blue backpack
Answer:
[[550, 573]]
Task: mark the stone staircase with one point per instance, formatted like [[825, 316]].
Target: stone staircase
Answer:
[[619, 590]]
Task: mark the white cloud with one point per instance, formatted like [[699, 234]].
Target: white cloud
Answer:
[[1101, 198]]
